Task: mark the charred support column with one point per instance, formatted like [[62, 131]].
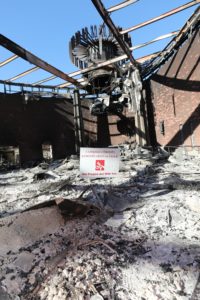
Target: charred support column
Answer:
[[143, 135], [141, 139], [142, 128], [137, 129], [138, 103], [78, 122], [145, 117]]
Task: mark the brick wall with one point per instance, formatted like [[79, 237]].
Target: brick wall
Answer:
[[175, 93]]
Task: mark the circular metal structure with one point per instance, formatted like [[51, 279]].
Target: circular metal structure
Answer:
[[95, 45], [111, 84], [92, 46]]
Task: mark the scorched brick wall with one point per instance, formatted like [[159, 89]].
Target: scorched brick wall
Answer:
[[175, 92]]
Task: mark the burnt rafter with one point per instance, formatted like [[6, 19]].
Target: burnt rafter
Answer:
[[26, 55], [108, 21], [80, 62]]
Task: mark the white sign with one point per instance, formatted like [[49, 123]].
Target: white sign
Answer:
[[99, 162]]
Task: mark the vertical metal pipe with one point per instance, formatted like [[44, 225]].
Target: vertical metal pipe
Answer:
[[78, 122]]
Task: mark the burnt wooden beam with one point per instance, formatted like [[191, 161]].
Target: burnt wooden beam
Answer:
[[108, 21], [26, 55]]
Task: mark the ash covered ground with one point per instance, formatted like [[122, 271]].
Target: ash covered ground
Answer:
[[135, 237]]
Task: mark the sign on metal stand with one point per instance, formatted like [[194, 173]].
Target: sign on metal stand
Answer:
[[99, 162]]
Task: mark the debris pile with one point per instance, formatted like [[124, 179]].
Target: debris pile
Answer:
[[132, 237]]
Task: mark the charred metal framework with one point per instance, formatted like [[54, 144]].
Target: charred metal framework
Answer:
[[56, 74], [39, 63], [192, 24], [90, 47]]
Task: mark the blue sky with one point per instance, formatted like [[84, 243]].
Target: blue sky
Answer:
[[45, 27]]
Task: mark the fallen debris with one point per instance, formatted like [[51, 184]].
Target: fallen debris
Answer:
[[65, 237], [75, 207]]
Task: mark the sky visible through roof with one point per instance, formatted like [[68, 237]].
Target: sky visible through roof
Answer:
[[46, 27]]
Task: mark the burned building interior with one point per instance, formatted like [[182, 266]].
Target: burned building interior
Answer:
[[132, 237]]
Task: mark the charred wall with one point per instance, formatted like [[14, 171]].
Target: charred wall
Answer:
[[29, 124], [175, 96], [103, 131]]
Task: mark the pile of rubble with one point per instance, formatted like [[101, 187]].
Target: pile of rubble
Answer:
[[132, 237]]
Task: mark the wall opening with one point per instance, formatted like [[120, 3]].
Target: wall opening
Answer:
[[47, 151], [9, 156]]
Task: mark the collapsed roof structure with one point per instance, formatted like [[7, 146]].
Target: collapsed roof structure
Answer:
[[13, 47]]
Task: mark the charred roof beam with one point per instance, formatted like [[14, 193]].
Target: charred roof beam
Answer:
[[26, 55], [108, 21]]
